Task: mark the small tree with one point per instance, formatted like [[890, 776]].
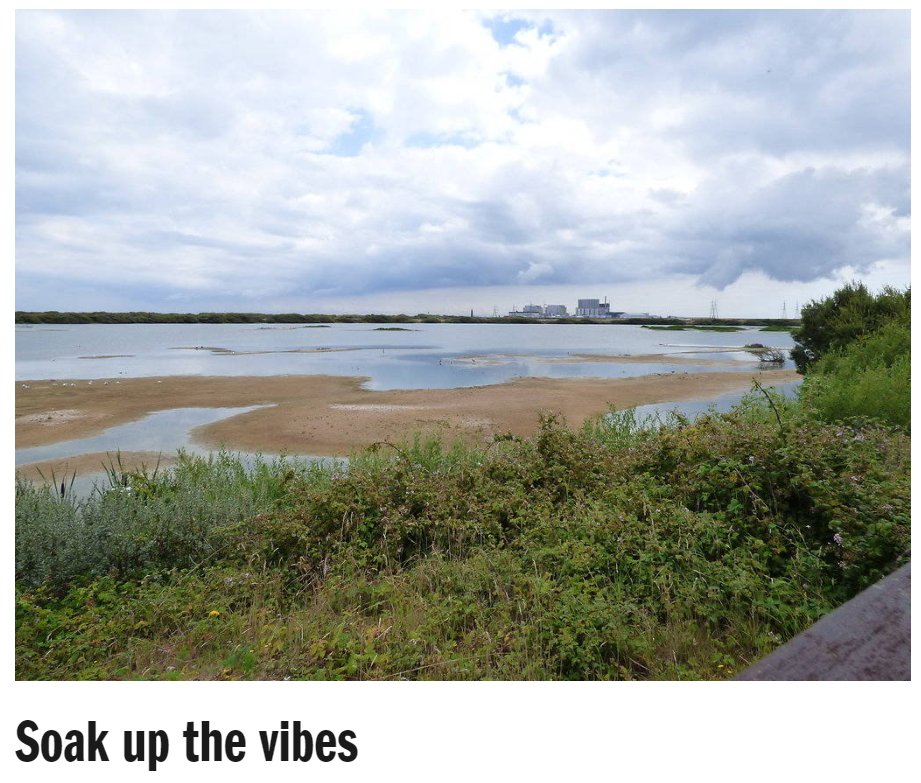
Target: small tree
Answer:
[[848, 314]]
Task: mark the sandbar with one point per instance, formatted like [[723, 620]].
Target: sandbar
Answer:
[[218, 351], [335, 415]]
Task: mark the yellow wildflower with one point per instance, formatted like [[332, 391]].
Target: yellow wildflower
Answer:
[[214, 613]]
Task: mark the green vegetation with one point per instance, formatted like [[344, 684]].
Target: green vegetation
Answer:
[[622, 550], [855, 350], [847, 315], [869, 378], [671, 550], [393, 329], [55, 317]]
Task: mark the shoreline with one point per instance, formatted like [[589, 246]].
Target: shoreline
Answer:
[[93, 462], [326, 415]]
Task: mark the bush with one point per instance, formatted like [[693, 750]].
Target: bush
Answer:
[[141, 523], [870, 378], [847, 315]]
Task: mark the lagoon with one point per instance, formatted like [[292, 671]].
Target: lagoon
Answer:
[[429, 356]]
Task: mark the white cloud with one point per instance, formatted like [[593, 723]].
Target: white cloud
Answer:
[[206, 156]]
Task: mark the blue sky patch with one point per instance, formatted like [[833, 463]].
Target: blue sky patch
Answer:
[[363, 130], [427, 140], [504, 29]]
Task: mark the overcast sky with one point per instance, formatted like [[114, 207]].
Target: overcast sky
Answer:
[[405, 162]]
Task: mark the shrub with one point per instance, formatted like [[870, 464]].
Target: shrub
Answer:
[[869, 378], [848, 314]]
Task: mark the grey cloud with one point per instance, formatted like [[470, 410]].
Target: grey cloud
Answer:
[[800, 227], [184, 151]]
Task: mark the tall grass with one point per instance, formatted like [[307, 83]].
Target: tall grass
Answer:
[[143, 520]]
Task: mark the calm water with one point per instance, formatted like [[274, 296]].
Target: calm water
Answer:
[[430, 356], [427, 356], [693, 408], [161, 431]]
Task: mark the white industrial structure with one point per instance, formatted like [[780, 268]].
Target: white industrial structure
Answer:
[[593, 308], [586, 308]]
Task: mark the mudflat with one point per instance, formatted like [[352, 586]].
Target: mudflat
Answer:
[[333, 415]]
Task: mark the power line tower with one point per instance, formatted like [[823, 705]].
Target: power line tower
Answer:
[[714, 313], [785, 310]]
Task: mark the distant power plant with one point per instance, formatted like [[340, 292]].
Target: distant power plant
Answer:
[[586, 308], [540, 311], [593, 308]]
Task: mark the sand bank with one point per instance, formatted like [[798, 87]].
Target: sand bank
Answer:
[[217, 350], [331, 415]]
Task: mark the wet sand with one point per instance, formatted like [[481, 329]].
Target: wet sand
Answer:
[[333, 416], [217, 350]]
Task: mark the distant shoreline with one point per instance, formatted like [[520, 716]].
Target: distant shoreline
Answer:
[[55, 317]]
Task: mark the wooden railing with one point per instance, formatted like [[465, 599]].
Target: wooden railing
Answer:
[[868, 638]]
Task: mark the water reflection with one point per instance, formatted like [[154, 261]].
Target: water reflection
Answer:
[[163, 431], [426, 357], [694, 408]]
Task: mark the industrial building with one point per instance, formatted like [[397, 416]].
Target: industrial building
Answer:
[[586, 308], [593, 308], [529, 311], [537, 311]]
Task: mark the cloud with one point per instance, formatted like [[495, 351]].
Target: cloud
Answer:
[[255, 157]]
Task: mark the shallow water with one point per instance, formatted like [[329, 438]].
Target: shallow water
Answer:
[[163, 431], [694, 408], [431, 356]]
